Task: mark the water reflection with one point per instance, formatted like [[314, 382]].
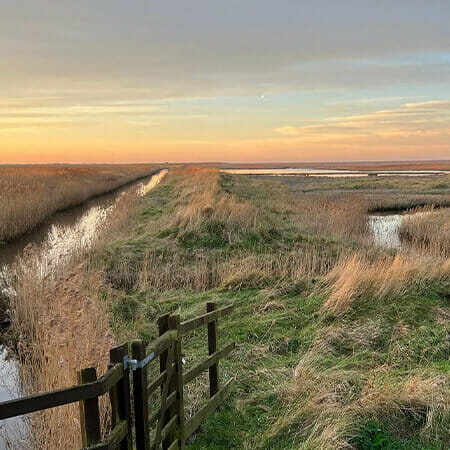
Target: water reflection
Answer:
[[14, 431], [386, 230]]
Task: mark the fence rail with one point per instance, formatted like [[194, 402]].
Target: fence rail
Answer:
[[168, 422], [41, 402]]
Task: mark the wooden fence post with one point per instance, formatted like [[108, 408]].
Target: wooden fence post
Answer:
[[140, 398], [212, 348], [121, 403], [89, 411], [177, 381], [163, 326]]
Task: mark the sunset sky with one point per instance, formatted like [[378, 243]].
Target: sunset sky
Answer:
[[235, 80]]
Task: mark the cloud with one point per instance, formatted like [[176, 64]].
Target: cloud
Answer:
[[430, 118], [106, 69], [288, 130], [221, 48], [435, 105]]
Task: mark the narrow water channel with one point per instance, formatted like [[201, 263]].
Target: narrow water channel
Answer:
[[67, 233]]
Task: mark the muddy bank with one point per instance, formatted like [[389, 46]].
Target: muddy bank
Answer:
[[389, 209]]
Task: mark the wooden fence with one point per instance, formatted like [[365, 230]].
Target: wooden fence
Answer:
[[166, 427]]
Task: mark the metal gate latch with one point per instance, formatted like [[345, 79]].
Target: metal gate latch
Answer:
[[135, 364]]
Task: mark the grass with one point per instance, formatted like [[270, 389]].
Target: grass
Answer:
[[31, 194], [380, 193], [57, 329], [339, 344], [356, 278], [428, 231]]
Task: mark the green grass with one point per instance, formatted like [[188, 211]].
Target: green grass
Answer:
[[278, 323], [373, 436]]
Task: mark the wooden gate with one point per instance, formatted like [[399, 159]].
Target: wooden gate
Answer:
[[166, 426], [157, 390]]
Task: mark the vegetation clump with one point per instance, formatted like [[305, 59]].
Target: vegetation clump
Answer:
[[428, 230]]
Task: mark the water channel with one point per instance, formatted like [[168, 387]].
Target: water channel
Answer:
[[65, 234]]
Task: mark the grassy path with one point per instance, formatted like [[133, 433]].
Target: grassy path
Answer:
[[312, 371]]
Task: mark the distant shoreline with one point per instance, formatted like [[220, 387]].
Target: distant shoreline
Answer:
[[432, 164]]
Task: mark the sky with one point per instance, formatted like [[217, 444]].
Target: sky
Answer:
[[235, 80]]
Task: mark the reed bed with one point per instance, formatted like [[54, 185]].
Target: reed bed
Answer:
[[428, 230], [59, 327], [344, 217], [357, 277], [31, 194]]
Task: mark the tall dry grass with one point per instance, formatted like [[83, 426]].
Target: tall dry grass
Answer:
[[31, 194], [59, 327], [199, 202], [199, 198], [356, 277], [428, 230], [333, 401], [239, 270], [343, 216]]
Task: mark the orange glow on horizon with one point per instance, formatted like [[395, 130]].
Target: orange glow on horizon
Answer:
[[95, 137]]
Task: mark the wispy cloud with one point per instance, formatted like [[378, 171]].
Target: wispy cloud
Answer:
[[434, 105], [410, 119]]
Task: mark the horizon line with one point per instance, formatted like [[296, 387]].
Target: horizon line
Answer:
[[229, 162]]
